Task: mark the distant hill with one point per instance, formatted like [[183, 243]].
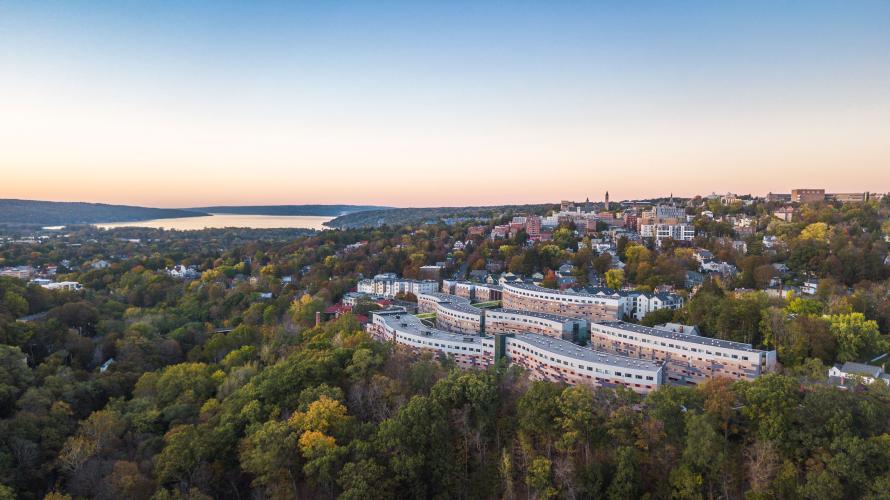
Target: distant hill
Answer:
[[319, 210], [53, 213], [399, 216]]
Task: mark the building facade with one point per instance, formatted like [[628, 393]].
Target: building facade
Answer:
[[386, 285], [469, 351], [649, 302], [807, 195], [453, 313], [687, 359], [601, 305], [564, 362], [545, 358], [548, 325], [678, 232]]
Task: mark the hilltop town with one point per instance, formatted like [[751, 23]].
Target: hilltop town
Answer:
[[627, 337]]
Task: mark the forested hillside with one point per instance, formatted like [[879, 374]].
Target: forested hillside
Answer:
[[319, 210], [51, 213], [400, 216], [146, 386]]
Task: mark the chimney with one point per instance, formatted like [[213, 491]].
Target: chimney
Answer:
[[317, 318]]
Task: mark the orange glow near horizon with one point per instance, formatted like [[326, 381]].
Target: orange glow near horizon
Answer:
[[420, 105]]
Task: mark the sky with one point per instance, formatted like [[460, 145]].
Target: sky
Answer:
[[182, 104]]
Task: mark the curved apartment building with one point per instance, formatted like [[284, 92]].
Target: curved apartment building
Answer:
[[453, 313], [688, 359], [469, 351], [549, 325], [562, 361], [546, 358], [601, 305]]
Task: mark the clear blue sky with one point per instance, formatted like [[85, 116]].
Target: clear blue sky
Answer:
[[416, 103]]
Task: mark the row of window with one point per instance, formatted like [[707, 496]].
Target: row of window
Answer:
[[561, 375], [430, 343], [580, 366], [561, 298], [677, 346]]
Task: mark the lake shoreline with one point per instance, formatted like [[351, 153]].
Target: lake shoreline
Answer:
[[222, 221]]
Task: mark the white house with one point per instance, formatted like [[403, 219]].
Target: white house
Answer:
[[854, 373], [720, 267], [648, 302], [183, 272], [70, 286], [770, 241], [810, 286]]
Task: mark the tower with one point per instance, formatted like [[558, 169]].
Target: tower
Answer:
[[607, 201]]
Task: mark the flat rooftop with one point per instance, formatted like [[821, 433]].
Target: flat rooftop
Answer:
[[409, 323], [566, 348], [589, 292], [455, 302], [548, 316], [683, 337]]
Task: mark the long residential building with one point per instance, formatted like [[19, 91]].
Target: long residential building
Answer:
[[546, 358], [688, 359], [469, 351], [456, 314], [562, 361], [453, 313], [388, 285], [600, 304], [548, 325], [479, 292]]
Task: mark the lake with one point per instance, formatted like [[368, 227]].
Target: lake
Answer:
[[228, 220]]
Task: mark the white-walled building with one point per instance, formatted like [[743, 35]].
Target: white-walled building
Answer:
[[69, 286], [545, 358], [688, 359], [649, 302], [678, 232], [856, 373], [387, 285]]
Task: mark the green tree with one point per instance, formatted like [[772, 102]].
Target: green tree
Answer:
[[770, 403], [271, 455], [539, 478], [365, 480], [857, 337], [615, 278], [704, 450], [625, 483]]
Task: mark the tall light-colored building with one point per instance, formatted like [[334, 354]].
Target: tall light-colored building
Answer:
[[649, 302], [387, 285], [807, 195], [678, 232]]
